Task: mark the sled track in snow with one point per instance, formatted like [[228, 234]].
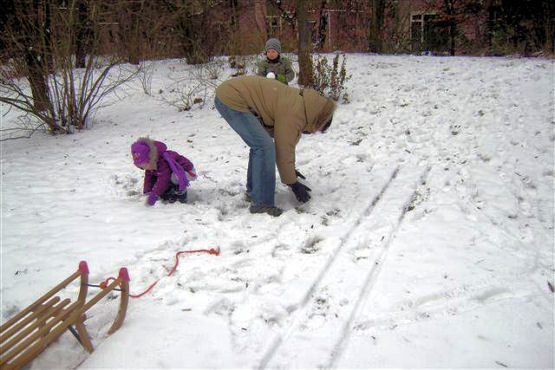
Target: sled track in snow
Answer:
[[296, 308], [300, 310], [367, 212], [372, 275]]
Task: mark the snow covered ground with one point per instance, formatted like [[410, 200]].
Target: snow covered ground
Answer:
[[428, 242]]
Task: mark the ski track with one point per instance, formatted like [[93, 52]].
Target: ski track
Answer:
[[374, 271], [367, 212], [335, 273], [297, 307]]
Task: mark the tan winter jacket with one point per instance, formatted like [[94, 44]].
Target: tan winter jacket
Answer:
[[286, 112]]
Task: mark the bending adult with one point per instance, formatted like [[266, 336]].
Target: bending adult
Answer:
[[260, 109]]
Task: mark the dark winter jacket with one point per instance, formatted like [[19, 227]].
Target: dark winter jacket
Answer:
[[158, 180], [282, 66]]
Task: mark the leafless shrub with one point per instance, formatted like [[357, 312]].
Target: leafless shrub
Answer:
[[42, 81], [24, 127], [144, 74], [197, 87], [330, 80], [208, 72]]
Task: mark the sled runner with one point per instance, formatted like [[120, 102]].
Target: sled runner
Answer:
[[27, 334]]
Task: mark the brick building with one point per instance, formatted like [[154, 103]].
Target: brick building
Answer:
[[417, 26]]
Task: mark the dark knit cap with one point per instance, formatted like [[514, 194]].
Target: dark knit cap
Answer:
[[273, 44]]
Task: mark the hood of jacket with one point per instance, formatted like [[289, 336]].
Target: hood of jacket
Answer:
[[319, 110], [157, 148]]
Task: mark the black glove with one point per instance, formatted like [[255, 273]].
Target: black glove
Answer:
[[299, 174], [301, 192]]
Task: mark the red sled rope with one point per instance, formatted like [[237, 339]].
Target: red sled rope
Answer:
[[214, 251]]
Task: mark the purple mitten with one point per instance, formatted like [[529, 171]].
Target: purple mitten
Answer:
[[152, 198]]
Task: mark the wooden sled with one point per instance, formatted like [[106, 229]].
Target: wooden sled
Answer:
[[27, 334]]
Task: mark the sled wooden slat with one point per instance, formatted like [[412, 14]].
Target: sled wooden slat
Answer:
[[28, 319], [35, 339], [39, 323], [33, 306], [27, 334]]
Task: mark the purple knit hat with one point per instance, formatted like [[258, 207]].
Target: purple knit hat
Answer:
[[140, 151]]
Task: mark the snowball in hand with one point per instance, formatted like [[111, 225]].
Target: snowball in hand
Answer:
[[271, 75]]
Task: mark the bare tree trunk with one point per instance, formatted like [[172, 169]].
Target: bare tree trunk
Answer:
[[259, 16], [375, 42], [304, 49], [322, 25], [450, 11], [130, 16], [83, 34], [135, 44], [37, 80], [234, 40], [35, 26], [452, 36], [549, 27]]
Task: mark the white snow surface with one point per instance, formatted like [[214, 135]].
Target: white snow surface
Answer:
[[428, 241]]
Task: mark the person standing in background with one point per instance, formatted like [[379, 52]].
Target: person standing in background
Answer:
[[275, 65]]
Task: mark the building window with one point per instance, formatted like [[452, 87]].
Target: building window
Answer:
[[428, 33], [274, 25]]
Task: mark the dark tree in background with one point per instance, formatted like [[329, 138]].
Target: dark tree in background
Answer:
[[322, 25], [130, 24], [40, 44], [83, 32], [450, 9], [375, 37], [27, 35], [304, 45], [524, 25], [193, 23]]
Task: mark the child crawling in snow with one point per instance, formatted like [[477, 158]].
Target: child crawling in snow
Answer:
[[167, 173]]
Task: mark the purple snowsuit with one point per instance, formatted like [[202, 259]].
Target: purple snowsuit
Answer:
[[158, 180]]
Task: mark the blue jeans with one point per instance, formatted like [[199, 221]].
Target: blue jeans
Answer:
[[261, 173]]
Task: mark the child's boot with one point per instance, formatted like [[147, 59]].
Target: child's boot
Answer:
[[181, 196], [170, 195]]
